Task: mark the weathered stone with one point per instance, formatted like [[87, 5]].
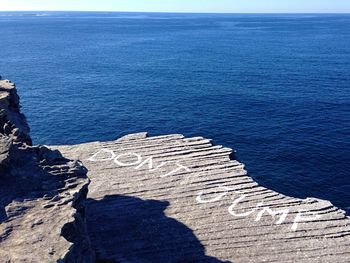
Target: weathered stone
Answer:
[[42, 195], [37, 229], [10, 116], [173, 199]]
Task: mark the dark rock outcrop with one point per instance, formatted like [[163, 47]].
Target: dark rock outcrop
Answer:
[[12, 122], [42, 195], [5, 149]]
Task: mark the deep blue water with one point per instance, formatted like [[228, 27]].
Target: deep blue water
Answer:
[[274, 87]]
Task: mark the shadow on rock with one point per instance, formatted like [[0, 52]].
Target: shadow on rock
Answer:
[[128, 229]]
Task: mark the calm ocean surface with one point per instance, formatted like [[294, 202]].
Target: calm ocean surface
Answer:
[[276, 88]]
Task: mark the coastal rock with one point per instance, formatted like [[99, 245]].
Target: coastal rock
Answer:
[[12, 122], [172, 199], [5, 148], [163, 199], [42, 195]]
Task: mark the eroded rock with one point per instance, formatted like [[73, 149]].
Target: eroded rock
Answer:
[[172, 199], [42, 195], [12, 122]]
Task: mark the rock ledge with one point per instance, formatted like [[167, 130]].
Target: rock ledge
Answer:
[[42, 195]]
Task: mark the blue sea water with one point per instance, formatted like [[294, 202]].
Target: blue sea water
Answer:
[[274, 87]]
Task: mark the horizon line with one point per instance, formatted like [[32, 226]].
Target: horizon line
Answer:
[[174, 12]]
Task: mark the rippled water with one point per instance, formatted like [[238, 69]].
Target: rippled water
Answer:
[[274, 87]]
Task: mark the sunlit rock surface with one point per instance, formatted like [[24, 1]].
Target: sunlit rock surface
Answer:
[[172, 199]]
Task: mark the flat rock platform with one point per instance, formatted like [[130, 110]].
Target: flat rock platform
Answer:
[[171, 199]]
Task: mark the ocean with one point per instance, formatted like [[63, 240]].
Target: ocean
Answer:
[[276, 88]]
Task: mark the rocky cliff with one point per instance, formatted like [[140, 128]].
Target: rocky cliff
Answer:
[[42, 195], [163, 199]]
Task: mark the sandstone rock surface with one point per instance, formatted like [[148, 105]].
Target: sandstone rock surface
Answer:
[[41, 195], [172, 199]]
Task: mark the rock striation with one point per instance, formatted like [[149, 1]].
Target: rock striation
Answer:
[[42, 195], [171, 199]]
